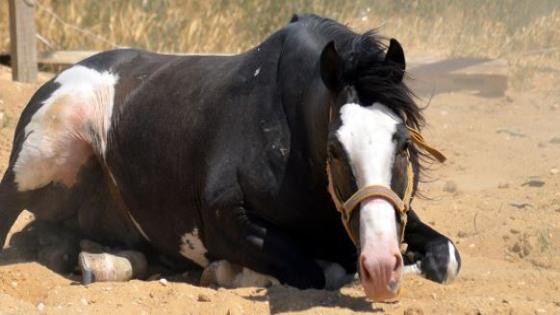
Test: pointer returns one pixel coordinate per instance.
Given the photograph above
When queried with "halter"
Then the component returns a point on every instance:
(401, 206)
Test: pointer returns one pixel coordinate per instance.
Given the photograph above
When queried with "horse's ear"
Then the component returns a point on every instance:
(331, 67)
(294, 18)
(395, 58)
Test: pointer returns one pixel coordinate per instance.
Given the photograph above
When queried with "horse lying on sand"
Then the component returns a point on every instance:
(248, 160)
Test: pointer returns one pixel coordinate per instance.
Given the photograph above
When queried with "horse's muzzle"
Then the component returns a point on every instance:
(380, 275)
(380, 261)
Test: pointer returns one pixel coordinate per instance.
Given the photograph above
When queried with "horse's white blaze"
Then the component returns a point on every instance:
(193, 249)
(367, 136)
(452, 265)
(60, 135)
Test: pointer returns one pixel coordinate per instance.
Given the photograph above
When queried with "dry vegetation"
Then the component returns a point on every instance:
(454, 27)
(526, 33)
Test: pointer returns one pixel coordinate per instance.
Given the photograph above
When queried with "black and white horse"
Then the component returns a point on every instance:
(210, 158)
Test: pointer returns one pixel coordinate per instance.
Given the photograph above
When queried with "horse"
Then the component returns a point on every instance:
(251, 159)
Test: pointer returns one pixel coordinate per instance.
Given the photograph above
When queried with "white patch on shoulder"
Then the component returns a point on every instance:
(60, 136)
(367, 136)
(138, 227)
(257, 72)
(193, 249)
(452, 265)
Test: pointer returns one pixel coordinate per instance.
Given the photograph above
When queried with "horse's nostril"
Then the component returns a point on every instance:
(365, 272)
(398, 262)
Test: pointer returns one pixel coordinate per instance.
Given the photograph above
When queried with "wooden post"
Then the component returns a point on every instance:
(22, 41)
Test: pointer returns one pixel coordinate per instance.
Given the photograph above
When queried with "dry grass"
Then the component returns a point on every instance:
(169, 25)
(526, 33)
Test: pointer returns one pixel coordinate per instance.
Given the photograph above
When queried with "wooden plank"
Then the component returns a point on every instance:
(22, 41)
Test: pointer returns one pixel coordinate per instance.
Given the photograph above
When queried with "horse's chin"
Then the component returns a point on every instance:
(380, 292)
(380, 296)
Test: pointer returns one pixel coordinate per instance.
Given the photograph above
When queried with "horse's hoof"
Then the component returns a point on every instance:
(220, 273)
(121, 266)
(250, 278)
(225, 274)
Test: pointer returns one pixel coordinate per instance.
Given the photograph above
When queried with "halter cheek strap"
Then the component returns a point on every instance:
(401, 206)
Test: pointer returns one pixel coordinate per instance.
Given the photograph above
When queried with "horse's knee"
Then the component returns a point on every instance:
(441, 262)
(10, 208)
(58, 247)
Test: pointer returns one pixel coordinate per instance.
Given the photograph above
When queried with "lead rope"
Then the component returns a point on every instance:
(419, 140)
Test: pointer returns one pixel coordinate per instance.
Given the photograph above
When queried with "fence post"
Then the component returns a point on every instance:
(22, 41)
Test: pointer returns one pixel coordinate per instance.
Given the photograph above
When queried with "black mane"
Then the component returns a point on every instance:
(365, 69)
(363, 56)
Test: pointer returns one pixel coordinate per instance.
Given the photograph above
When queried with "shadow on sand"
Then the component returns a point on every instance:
(57, 249)
(287, 299)
(481, 76)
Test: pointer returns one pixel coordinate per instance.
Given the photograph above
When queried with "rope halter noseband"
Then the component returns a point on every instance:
(401, 206)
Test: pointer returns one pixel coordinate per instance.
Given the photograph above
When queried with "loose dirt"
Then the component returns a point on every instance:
(497, 197)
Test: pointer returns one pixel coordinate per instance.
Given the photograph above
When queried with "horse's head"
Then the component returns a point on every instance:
(368, 160)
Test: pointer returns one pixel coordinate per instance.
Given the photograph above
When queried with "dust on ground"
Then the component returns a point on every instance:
(497, 197)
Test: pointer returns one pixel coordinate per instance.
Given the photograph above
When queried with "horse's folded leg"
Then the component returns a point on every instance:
(121, 266)
(92, 247)
(9, 211)
(335, 275)
(413, 269)
(59, 249)
(219, 273)
(435, 255)
(250, 278)
(7, 218)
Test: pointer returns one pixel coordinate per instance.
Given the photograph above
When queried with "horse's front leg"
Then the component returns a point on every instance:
(436, 256)
(244, 240)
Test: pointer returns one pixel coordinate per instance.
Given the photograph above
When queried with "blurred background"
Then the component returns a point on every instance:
(525, 33)
(487, 73)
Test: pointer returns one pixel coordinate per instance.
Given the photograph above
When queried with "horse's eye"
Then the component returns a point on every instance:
(334, 151)
(405, 145)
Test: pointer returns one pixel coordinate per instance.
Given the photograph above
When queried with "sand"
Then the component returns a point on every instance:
(497, 197)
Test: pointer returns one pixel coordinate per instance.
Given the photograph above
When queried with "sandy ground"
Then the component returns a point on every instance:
(497, 197)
